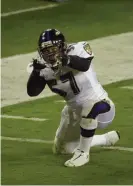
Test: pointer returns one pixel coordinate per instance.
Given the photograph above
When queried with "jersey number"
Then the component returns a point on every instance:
(64, 78)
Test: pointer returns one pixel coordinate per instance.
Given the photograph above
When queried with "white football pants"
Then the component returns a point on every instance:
(69, 128)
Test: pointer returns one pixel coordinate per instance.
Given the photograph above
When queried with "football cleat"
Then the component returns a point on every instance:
(112, 137)
(79, 158)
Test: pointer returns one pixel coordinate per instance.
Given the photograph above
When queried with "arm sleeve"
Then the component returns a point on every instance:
(35, 84)
(79, 63)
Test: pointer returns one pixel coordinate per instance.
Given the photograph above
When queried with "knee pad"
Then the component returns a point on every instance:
(88, 124)
(105, 119)
(99, 108)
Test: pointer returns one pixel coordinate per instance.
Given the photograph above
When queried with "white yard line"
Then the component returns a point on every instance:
(28, 10)
(119, 148)
(60, 101)
(51, 142)
(23, 118)
(26, 140)
(128, 87)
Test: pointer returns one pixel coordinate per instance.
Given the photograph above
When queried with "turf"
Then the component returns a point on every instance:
(14, 5)
(87, 20)
(28, 163)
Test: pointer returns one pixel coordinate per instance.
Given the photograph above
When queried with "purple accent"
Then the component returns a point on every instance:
(99, 108)
(87, 133)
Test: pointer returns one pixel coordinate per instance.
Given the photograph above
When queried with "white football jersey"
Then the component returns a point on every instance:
(75, 86)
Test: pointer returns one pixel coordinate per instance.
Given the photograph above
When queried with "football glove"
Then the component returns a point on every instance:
(37, 65)
(65, 60)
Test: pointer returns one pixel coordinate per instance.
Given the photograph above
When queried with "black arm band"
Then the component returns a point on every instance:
(35, 84)
(78, 63)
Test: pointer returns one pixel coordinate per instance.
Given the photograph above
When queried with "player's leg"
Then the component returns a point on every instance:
(61, 130)
(67, 131)
(67, 134)
(106, 139)
(105, 119)
(88, 126)
(109, 138)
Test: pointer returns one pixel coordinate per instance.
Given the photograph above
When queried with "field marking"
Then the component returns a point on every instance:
(119, 148)
(128, 87)
(26, 140)
(60, 101)
(22, 117)
(51, 142)
(28, 10)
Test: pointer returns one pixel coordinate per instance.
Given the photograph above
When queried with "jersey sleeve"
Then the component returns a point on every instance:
(35, 84)
(80, 49)
(85, 51)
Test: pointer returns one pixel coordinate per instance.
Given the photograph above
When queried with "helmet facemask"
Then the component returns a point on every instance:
(52, 54)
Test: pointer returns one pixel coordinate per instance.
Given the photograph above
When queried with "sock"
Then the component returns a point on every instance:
(98, 140)
(88, 127)
(85, 144)
(71, 146)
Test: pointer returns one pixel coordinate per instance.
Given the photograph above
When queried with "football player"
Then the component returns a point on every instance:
(68, 71)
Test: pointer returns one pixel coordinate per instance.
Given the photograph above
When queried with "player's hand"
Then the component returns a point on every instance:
(65, 60)
(37, 65)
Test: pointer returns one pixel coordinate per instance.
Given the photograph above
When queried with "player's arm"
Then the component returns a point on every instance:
(80, 62)
(35, 84)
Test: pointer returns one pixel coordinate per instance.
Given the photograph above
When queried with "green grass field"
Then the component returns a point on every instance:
(88, 20)
(29, 163)
(26, 163)
(13, 5)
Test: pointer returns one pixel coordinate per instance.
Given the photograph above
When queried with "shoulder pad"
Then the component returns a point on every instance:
(81, 49)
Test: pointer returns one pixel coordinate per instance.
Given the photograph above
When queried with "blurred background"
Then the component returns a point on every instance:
(78, 19)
